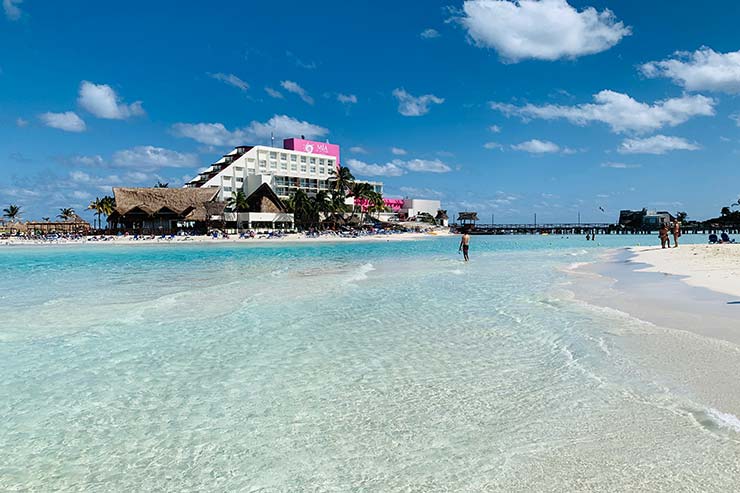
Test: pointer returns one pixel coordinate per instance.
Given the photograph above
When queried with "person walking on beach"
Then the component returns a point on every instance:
(465, 245)
(676, 230)
(663, 235)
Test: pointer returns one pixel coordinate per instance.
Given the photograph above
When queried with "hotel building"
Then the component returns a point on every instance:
(299, 164)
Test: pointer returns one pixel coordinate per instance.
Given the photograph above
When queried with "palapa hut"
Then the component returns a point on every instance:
(441, 219)
(467, 219)
(73, 225)
(266, 211)
(166, 210)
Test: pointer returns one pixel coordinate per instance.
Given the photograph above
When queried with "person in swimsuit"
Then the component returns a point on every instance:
(676, 230)
(663, 235)
(465, 245)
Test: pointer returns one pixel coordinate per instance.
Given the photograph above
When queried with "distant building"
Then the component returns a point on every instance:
(299, 165)
(73, 225)
(467, 218)
(412, 208)
(644, 219)
(166, 210)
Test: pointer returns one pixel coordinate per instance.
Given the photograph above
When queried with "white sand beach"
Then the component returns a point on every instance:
(207, 239)
(715, 267)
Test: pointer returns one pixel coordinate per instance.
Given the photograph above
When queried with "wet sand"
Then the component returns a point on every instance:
(689, 335)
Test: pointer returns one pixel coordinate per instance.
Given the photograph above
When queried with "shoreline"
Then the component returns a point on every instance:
(681, 329)
(292, 239)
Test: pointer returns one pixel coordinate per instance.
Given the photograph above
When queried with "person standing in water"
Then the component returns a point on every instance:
(465, 245)
(676, 230)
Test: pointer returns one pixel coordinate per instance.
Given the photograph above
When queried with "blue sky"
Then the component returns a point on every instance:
(547, 107)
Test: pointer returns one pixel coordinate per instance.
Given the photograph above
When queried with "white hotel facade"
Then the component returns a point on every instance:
(286, 170)
(299, 165)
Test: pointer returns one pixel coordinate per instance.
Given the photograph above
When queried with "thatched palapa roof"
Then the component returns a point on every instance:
(194, 204)
(467, 216)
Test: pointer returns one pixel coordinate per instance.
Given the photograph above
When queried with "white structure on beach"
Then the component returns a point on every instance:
(299, 165)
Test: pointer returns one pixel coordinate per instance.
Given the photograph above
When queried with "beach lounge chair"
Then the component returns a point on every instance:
(713, 239)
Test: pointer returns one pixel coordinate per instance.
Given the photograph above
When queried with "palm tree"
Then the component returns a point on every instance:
(238, 203)
(305, 210)
(376, 203)
(12, 212)
(161, 185)
(46, 219)
(342, 180)
(66, 213)
(97, 206)
(725, 211)
(360, 191)
(107, 205)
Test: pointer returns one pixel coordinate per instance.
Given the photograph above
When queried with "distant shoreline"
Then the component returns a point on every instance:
(233, 240)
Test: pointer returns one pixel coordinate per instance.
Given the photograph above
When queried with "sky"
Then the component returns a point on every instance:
(547, 107)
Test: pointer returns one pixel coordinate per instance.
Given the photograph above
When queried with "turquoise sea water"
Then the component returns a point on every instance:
(343, 367)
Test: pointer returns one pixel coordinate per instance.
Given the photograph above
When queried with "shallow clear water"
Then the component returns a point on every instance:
(354, 366)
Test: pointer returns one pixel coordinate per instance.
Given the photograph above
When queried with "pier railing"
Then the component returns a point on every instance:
(582, 228)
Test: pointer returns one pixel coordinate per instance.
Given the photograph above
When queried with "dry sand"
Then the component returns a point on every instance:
(714, 267)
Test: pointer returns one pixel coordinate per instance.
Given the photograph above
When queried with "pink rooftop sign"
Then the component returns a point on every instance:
(312, 147)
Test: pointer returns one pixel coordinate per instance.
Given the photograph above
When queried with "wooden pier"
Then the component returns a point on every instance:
(582, 229)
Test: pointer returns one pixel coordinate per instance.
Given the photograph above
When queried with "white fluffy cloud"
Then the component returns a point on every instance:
(536, 146)
(397, 151)
(540, 29)
(347, 98)
(21, 122)
(427, 166)
(429, 33)
(368, 169)
(150, 157)
(492, 145)
(657, 144)
(494, 129)
(621, 112)
(398, 167)
(293, 87)
(231, 80)
(358, 150)
(702, 70)
(217, 134)
(11, 9)
(409, 105)
(67, 121)
(102, 101)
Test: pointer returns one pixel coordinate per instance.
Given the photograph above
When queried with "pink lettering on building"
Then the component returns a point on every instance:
(394, 205)
(312, 147)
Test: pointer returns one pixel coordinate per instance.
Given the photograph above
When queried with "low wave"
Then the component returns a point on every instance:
(724, 420)
(360, 274)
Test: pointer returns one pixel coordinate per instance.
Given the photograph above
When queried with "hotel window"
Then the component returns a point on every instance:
(321, 162)
(313, 160)
(227, 189)
(239, 179)
(303, 159)
(273, 165)
(263, 164)
(293, 157)
(293, 167)
(283, 157)
(284, 166)
(322, 170)
(313, 169)
(330, 162)
(239, 169)
(303, 168)
(273, 155)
